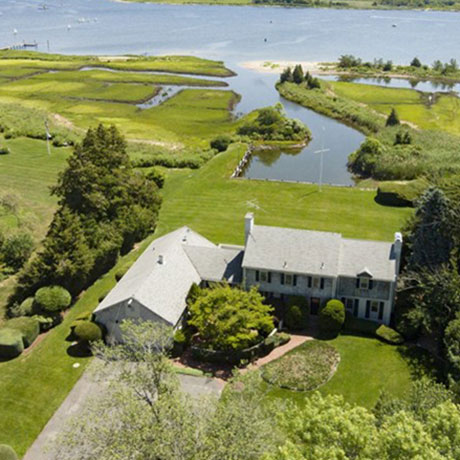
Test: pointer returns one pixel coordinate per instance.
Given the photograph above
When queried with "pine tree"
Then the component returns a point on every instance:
(432, 240)
(393, 118)
(416, 62)
(298, 75)
(286, 75)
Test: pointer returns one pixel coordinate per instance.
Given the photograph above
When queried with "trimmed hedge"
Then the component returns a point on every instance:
(296, 318)
(389, 335)
(29, 328)
(53, 299)
(7, 453)
(11, 343)
(87, 331)
(332, 317)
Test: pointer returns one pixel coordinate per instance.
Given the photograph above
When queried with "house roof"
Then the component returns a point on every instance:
(317, 253)
(217, 263)
(161, 287)
(375, 258)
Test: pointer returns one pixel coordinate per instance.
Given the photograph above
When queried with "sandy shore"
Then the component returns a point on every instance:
(318, 68)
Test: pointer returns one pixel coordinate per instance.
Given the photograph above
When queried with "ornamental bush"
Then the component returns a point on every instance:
(389, 335)
(332, 317)
(221, 143)
(53, 299)
(156, 176)
(11, 343)
(27, 326)
(7, 453)
(26, 308)
(87, 331)
(230, 319)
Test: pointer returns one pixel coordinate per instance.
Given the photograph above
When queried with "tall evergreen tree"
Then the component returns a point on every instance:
(393, 118)
(286, 75)
(298, 75)
(431, 239)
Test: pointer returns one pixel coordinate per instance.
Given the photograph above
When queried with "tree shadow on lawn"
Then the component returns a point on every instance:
(421, 362)
(79, 350)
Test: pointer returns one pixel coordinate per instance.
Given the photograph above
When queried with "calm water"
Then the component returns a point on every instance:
(235, 35)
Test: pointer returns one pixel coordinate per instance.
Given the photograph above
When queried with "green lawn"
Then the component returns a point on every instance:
(367, 366)
(33, 386)
(211, 203)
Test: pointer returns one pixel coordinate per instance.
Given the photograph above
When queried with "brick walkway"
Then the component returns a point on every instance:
(295, 341)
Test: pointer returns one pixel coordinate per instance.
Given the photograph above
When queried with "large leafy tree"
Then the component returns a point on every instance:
(230, 319)
(328, 428)
(143, 414)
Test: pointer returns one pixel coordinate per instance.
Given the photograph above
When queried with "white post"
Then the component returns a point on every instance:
(321, 151)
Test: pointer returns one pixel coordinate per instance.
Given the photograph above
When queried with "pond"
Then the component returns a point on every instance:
(238, 34)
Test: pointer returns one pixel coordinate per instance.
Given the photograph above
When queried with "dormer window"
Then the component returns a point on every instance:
(364, 283)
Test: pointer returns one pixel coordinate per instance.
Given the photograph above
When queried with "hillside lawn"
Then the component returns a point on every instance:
(34, 385)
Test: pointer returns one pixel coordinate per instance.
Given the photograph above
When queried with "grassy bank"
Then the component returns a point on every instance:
(433, 124)
(33, 386)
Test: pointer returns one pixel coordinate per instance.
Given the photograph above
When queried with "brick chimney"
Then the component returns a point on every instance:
(248, 226)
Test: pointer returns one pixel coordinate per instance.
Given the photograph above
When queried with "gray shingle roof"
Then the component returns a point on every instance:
(292, 250)
(317, 253)
(375, 257)
(217, 263)
(162, 288)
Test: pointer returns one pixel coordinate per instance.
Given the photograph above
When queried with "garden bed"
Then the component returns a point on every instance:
(304, 369)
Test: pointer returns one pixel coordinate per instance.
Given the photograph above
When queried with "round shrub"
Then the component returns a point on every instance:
(295, 318)
(26, 308)
(86, 331)
(11, 343)
(221, 143)
(332, 317)
(27, 326)
(53, 298)
(7, 453)
(4, 150)
(157, 176)
(389, 335)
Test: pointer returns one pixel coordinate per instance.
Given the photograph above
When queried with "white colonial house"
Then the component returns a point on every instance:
(281, 261)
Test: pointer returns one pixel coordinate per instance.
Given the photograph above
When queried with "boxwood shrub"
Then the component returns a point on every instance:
(87, 331)
(26, 308)
(53, 299)
(389, 335)
(11, 343)
(27, 326)
(331, 318)
(7, 453)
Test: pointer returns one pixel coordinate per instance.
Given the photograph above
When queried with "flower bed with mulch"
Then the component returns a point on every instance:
(305, 368)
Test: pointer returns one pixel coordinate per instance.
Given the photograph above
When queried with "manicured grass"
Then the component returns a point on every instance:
(367, 366)
(211, 203)
(411, 105)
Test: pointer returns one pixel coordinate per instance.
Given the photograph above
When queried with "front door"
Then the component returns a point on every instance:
(314, 305)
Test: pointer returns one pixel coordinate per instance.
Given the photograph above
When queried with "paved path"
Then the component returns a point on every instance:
(295, 341)
(87, 386)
